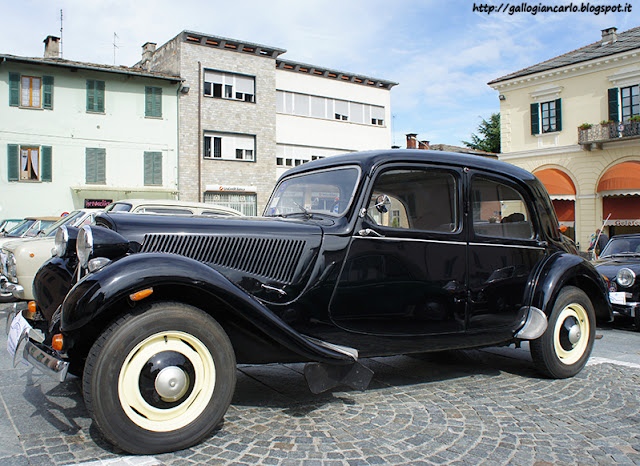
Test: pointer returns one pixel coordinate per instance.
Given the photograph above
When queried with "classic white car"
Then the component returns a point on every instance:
(21, 258)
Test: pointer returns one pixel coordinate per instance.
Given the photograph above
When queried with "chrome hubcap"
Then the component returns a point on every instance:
(574, 334)
(171, 383)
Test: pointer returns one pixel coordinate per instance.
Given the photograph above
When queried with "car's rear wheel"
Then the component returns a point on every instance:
(160, 380)
(564, 348)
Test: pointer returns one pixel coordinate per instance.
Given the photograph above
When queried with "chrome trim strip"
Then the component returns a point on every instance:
(351, 352)
(390, 238)
(508, 246)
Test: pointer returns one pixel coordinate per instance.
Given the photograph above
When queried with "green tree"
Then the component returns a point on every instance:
(489, 141)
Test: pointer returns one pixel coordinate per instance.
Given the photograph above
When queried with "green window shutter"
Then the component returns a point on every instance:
(96, 165)
(45, 163)
(14, 89)
(90, 95)
(148, 101)
(613, 104)
(158, 102)
(153, 168)
(153, 101)
(535, 119)
(13, 164)
(99, 96)
(47, 92)
(558, 115)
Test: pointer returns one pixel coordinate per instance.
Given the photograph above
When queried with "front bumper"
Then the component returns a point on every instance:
(629, 309)
(6, 287)
(24, 344)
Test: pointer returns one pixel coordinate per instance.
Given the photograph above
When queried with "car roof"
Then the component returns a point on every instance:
(174, 203)
(47, 219)
(369, 159)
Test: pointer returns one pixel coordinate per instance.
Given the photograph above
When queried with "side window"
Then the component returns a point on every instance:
(499, 210)
(415, 199)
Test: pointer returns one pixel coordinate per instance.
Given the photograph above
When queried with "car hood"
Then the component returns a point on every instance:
(17, 242)
(609, 266)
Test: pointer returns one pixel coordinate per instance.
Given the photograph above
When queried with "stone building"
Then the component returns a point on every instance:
(574, 121)
(246, 115)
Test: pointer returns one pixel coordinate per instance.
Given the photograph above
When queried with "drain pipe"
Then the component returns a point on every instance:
(200, 132)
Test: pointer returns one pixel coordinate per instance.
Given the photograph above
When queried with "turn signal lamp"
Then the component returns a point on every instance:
(30, 312)
(57, 342)
(141, 294)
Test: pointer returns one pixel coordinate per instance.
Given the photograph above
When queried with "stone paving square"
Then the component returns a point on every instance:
(465, 408)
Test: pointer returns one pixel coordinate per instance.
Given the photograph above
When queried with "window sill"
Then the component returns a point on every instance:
(228, 160)
(149, 117)
(31, 108)
(550, 133)
(226, 99)
(96, 113)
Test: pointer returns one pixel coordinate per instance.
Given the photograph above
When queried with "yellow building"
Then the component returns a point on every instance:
(574, 121)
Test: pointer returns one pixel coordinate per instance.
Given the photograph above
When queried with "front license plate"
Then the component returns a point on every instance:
(617, 297)
(18, 326)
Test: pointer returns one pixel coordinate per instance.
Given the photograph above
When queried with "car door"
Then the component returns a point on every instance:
(504, 251)
(404, 273)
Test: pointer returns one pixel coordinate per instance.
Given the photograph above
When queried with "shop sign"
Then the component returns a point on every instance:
(623, 223)
(231, 188)
(97, 203)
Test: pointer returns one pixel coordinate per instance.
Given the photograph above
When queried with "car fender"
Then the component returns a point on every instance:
(97, 293)
(562, 269)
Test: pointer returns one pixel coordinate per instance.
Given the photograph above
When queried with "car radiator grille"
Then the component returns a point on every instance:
(272, 258)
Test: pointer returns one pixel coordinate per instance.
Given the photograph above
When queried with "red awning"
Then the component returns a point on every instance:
(557, 182)
(623, 176)
(565, 210)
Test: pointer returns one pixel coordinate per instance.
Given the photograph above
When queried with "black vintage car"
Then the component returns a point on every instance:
(619, 263)
(368, 254)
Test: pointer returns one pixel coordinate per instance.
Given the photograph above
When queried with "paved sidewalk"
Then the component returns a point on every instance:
(475, 407)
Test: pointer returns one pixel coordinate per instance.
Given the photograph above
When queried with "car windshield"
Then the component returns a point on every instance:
(622, 247)
(51, 230)
(21, 228)
(118, 207)
(327, 192)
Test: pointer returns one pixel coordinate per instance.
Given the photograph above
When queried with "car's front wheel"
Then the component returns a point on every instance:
(564, 348)
(160, 380)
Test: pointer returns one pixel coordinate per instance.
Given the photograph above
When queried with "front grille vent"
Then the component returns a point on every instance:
(272, 258)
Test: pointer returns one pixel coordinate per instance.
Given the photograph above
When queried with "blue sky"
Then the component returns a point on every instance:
(441, 52)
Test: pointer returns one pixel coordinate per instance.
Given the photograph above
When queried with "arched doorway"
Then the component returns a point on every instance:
(620, 191)
(563, 196)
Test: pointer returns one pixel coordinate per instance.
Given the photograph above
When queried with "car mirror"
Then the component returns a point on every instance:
(382, 203)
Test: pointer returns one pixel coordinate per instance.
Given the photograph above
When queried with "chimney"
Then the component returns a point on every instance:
(148, 49)
(411, 140)
(52, 47)
(609, 36)
(423, 145)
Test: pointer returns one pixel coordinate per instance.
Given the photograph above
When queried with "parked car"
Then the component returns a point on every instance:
(29, 227)
(619, 263)
(366, 254)
(20, 259)
(170, 207)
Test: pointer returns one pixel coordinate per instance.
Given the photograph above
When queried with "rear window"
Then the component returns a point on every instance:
(118, 207)
(164, 210)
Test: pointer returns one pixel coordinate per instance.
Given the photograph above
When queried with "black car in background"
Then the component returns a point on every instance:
(366, 254)
(620, 264)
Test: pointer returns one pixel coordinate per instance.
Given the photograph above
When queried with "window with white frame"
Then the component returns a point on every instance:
(293, 103)
(227, 146)
(630, 102)
(29, 162)
(30, 91)
(229, 86)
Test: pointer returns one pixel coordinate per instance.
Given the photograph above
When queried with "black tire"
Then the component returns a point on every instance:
(144, 409)
(565, 347)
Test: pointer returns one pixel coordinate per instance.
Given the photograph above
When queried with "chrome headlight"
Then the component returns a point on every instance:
(625, 277)
(61, 242)
(12, 270)
(84, 245)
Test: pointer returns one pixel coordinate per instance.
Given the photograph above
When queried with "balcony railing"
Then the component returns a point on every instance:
(602, 133)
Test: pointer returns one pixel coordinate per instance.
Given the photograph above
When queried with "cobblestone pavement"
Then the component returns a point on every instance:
(474, 407)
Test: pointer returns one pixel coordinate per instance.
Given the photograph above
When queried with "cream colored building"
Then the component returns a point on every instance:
(572, 122)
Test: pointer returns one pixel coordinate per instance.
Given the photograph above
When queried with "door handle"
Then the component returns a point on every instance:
(369, 232)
